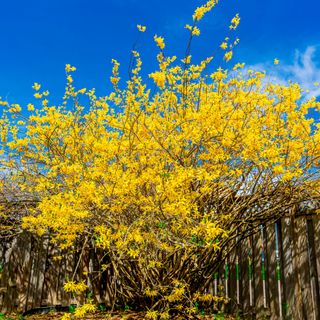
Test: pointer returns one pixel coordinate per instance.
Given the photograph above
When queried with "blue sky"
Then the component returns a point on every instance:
(38, 37)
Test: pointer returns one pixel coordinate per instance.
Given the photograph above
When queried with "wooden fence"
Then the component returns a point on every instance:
(273, 274)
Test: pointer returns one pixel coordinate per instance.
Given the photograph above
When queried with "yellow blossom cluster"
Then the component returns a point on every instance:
(159, 41)
(72, 286)
(235, 22)
(201, 11)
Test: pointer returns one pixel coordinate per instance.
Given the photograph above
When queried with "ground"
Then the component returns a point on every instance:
(101, 316)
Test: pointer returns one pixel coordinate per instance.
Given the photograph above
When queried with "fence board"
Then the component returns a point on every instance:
(316, 223)
(302, 268)
(313, 268)
(9, 298)
(16, 271)
(258, 279)
(52, 285)
(271, 270)
(242, 274)
(288, 272)
(232, 281)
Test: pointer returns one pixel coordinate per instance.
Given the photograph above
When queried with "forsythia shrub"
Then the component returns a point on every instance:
(162, 178)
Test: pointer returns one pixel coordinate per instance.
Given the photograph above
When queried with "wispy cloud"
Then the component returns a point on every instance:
(304, 70)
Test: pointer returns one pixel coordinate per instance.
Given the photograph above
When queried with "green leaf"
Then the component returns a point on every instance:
(72, 308)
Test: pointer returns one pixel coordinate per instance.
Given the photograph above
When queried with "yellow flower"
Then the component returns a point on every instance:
(278, 169)
(235, 22)
(224, 45)
(66, 316)
(228, 56)
(133, 253)
(159, 78)
(114, 80)
(70, 68)
(79, 312)
(275, 61)
(15, 108)
(141, 28)
(72, 286)
(86, 308)
(187, 59)
(196, 31)
(201, 11)
(37, 95)
(152, 315)
(238, 66)
(150, 293)
(164, 315)
(36, 86)
(159, 41)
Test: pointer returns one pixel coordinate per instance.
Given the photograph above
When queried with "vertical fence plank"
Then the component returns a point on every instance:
(10, 299)
(259, 275)
(244, 283)
(52, 285)
(304, 298)
(232, 282)
(242, 267)
(288, 272)
(271, 272)
(264, 273)
(247, 277)
(251, 276)
(66, 274)
(280, 270)
(238, 276)
(313, 268)
(39, 272)
(106, 278)
(3, 248)
(23, 260)
(16, 273)
(299, 312)
(316, 225)
(60, 264)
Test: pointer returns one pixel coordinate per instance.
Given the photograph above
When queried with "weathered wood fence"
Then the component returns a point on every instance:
(273, 274)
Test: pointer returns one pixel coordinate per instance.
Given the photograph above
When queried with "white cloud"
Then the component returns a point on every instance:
(303, 70)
